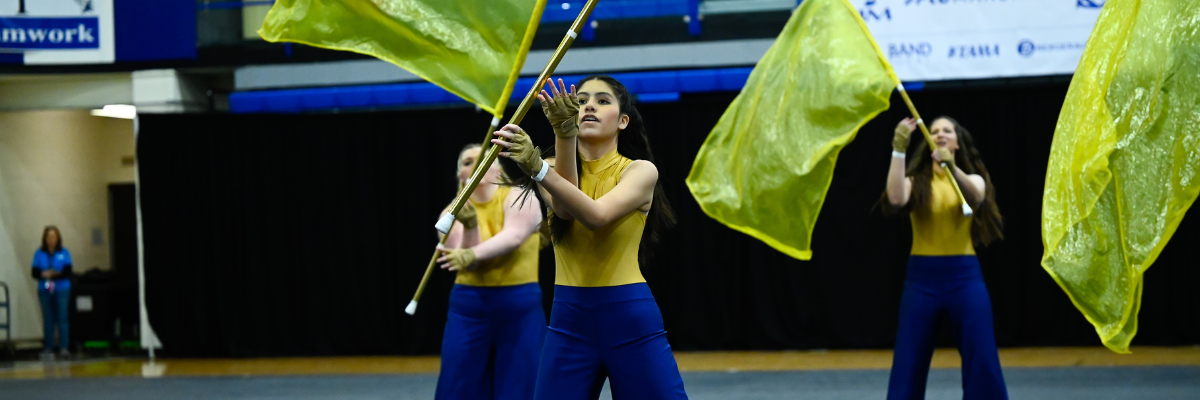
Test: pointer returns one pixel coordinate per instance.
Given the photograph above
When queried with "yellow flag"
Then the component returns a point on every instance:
(766, 166)
(472, 48)
(1125, 163)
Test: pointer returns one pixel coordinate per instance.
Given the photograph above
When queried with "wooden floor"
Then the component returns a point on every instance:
(688, 362)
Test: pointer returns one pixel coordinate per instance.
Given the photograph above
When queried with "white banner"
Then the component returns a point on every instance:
(929, 40)
(58, 31)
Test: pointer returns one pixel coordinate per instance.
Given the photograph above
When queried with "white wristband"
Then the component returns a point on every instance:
(542, 174)
(899, 154)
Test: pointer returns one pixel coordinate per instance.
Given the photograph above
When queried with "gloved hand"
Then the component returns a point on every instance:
(519, 148)
(943, 155)
(903, 134)
(467, 216)
(457, 259)
(561, 109)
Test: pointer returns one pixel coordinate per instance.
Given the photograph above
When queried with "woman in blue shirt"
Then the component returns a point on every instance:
(52, 269)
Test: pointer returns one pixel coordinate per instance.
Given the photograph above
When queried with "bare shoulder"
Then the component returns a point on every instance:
(641, 169)
(977, 179)
(644, 174)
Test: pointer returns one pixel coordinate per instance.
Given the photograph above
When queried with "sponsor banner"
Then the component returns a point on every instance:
(928, 40)
(58, 31)
(49, 33)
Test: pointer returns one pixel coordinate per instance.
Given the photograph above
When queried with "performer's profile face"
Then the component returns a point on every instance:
(599, 110)
(944, 135)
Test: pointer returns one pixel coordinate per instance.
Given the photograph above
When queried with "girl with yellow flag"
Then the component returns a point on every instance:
(943, 273)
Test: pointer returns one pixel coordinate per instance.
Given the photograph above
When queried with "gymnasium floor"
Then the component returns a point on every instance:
(1041, 373)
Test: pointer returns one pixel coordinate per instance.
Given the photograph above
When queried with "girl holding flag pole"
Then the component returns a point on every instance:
(608, 207)
(496, 324)
(943, 273)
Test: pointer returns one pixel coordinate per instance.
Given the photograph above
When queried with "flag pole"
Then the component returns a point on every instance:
(447, 221)
(412, 305)
(966, 209)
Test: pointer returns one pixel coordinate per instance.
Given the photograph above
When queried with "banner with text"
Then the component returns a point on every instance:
(57, 31)
(929, 40)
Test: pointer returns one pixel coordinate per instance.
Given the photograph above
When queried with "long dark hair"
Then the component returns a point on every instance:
(57, 246)
(987, 223)
(632, 143)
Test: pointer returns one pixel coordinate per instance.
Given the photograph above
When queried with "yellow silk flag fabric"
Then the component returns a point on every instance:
(766, 166)
(1125, 163)
(474, 49)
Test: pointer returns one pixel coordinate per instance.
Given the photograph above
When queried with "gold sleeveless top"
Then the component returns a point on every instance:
(607, 256)
(515, 268)
(940, 228)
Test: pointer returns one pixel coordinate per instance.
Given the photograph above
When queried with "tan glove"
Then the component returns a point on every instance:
(457, 259)
(467, 216)
(943, 155)
(522, 151)
(568, 129)
(561, 111)
(901, 138)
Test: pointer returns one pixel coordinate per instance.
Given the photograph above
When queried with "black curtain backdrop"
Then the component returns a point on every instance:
(291, 235)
